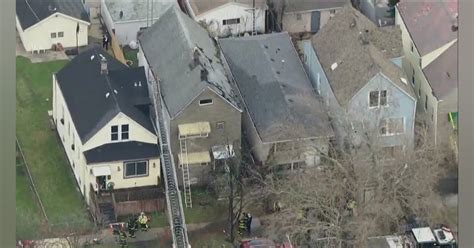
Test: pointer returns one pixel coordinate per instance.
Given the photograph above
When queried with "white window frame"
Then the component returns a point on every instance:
(125, 163)
(53, 35)
(387, 125)
(122, 132)
(378, 99)
(225, 22)
(60, 34)
(205, 104)
(117, 133)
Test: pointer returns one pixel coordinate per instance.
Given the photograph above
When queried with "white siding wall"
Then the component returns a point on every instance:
(136, 132)
(39, 37)
(117, 170)
(231, 11)
(106, 16)
(68, 135)
(127, 31)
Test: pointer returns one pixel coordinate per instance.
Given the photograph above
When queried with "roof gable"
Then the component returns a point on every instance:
(93, 99)
(349, 48)
(31, 12)
(185, 59)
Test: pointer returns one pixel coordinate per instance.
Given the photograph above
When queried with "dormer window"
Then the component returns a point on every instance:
(125, 132)
(114, 133)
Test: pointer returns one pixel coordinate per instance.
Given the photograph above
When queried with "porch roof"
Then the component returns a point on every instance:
(195, 158)
(194, 128)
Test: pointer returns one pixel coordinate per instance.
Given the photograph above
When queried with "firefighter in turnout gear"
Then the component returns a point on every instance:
(132, 226)
(143, 220)
(243, 224)
(123, 239)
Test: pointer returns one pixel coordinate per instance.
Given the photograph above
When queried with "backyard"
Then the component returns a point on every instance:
(50, 171)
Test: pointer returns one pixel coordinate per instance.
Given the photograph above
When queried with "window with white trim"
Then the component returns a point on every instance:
(231, 21)
(135, 169)
(392, 126)
(114, 133)
(205, 102)
(124, 131)
(53, 35)
(60, 34)
(377, 98)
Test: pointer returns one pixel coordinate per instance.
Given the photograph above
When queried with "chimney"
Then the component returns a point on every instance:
(103, 66)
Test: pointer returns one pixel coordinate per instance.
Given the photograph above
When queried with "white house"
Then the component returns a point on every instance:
(42, 24)
(125, 18)
(229, 17)
(100, 110)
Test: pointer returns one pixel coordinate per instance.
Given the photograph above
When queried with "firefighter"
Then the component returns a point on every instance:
(132, 226)
(123, 239)
(143, 220)
(248, 223)
(242, 227)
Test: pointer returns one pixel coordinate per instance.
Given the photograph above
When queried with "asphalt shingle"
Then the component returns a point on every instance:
(122, 151)
(275, 88)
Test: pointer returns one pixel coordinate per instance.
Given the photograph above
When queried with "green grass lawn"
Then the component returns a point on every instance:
(28, 212)
(43, 152)
(205, 208)
(131, 54)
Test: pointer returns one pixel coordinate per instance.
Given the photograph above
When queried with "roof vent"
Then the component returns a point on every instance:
(92, 57)
(107, 95)
(454, 28)
(353, 23)
(135, 84)
(333, 66)
(140, 83)
(103, 66)
(115, 91)
(121, 14)
(404, 80)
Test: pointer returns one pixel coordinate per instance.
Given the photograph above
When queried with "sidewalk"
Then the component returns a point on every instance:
(106, 237)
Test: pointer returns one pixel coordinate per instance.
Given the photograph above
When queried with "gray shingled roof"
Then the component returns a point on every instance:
(122, 151)
(310, 5)
(275, 88)
(169, 46)
(134, 10)
(442, 73)
(202, 6)
(429, 22)
(340, 41)
(90, 97)
(30, 12)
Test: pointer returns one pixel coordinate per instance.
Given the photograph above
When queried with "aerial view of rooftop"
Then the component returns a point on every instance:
(237, 123)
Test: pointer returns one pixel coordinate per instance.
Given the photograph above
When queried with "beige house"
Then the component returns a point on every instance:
(42, 24)
(201, 115)
(100, 111)
(229, 17)
(429, 34)
(285, 124)
(303, 16)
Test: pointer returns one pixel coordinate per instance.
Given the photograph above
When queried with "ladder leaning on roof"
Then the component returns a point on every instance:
(185, 169)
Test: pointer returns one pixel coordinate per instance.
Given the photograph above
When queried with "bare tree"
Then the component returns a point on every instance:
(359, 190)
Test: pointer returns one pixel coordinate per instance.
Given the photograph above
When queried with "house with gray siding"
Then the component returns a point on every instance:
(201, 113)
(125, 18)
(350, 65)
(303, 16)
(285, 122)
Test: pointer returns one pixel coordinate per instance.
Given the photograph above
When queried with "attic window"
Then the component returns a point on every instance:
(205, 102)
